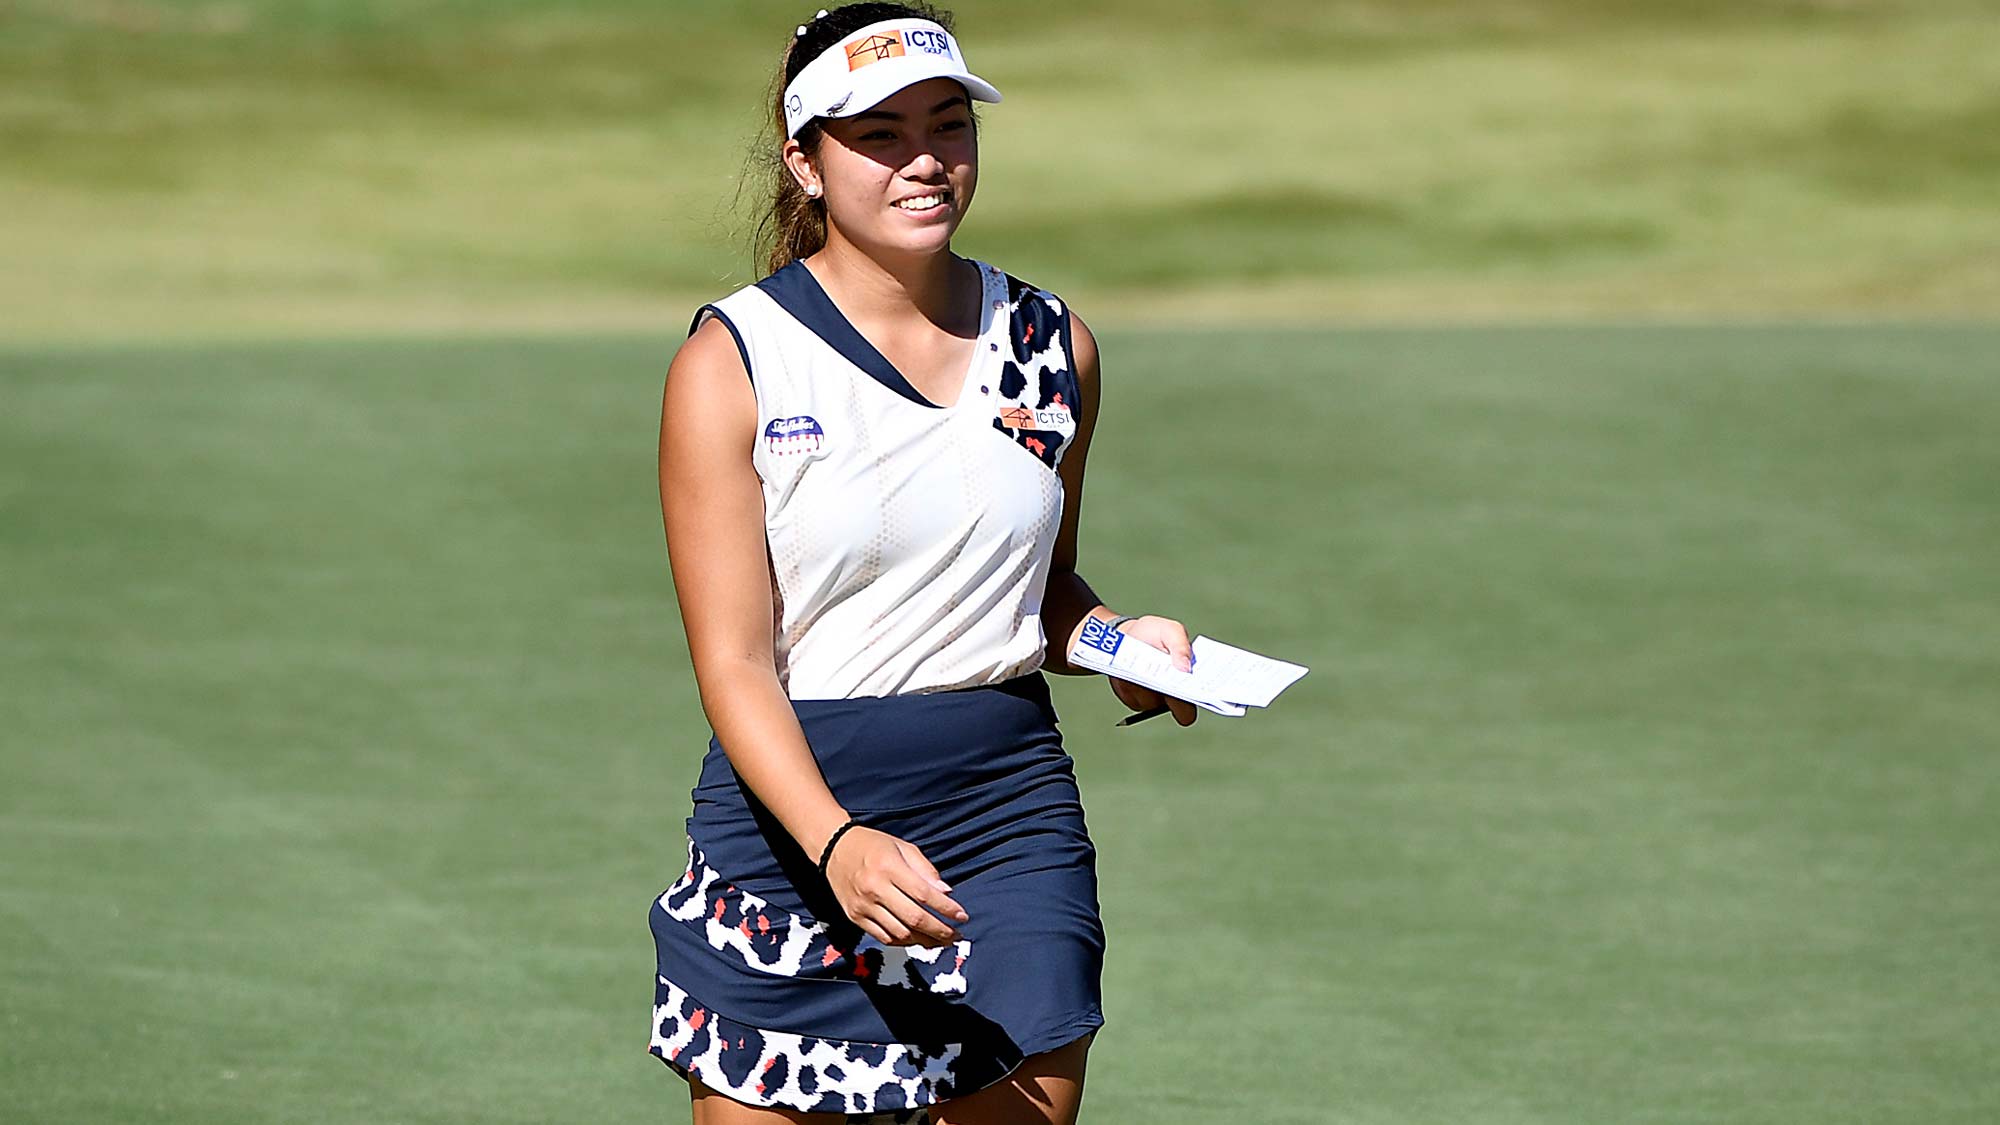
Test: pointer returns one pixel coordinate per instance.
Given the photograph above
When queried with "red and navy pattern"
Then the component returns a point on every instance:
(735, 922)
(1039, 397)
(866, 1081)
(811, 1073)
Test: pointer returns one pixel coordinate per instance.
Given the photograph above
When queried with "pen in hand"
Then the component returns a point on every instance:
(1141, 716)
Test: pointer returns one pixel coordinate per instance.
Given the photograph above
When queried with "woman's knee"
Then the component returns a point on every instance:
(1045, 1088)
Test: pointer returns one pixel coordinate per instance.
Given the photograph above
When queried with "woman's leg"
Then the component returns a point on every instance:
(711, 1108)
(1045, 1088)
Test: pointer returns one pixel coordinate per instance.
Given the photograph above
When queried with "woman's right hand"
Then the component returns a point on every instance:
(884, 885)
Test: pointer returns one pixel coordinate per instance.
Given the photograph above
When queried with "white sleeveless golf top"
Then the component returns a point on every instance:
(909, 542)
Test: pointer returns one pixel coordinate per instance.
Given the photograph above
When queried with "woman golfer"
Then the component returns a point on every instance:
(871, 464)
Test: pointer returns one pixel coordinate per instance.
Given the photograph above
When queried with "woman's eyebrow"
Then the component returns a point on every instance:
(886, 115)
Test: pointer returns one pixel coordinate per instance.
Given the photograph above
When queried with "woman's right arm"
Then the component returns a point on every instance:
(714, 510)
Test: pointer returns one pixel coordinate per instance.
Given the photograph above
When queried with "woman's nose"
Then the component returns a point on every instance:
(925, 164)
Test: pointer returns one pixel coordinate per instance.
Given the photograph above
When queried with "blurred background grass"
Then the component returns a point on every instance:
(1646, 769)
(253, 166)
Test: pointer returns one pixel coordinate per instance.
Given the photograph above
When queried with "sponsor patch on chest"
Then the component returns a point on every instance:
(1053, 416)
(798, 434)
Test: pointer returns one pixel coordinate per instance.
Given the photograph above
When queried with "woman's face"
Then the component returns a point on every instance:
(898, 177)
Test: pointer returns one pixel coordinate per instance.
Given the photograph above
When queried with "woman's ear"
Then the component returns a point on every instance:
(801, 167)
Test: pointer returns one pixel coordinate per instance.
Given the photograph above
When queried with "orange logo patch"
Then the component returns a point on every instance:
(874, 49)
(1017, 418)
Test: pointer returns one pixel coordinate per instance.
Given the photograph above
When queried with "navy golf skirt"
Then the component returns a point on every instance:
(769, 995)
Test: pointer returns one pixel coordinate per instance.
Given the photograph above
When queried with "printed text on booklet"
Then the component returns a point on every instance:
(1226, 680)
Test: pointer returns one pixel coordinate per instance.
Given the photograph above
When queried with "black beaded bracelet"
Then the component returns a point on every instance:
(826, 853)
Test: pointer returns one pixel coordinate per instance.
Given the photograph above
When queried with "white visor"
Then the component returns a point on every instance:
(856, 73)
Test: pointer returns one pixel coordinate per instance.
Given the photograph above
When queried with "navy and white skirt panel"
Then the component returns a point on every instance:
(768, 995)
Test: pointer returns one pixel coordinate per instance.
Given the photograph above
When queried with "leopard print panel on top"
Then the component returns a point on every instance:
(1039, 396)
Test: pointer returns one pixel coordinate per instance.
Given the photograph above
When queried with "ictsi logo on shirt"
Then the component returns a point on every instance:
(1051, 417)
(799, 434)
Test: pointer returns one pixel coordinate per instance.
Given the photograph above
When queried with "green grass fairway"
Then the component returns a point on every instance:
(270, 167)
(1646, 772)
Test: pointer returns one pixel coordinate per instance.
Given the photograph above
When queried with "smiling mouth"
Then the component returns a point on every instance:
(924, 204)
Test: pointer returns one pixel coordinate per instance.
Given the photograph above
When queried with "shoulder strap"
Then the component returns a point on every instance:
(706, 311)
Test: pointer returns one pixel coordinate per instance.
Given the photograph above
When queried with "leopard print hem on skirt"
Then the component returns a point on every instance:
(764, 1002)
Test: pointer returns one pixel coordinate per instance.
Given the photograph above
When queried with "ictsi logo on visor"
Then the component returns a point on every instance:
(875, 48)
(921, 39)
(838, 82)
(894, 44)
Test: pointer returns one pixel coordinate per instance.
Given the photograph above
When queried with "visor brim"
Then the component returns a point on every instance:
(872, 89)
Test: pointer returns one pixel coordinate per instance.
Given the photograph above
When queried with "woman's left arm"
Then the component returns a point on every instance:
(1069, 600)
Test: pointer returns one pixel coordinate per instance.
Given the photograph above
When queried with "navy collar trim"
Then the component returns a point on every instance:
(799, 293)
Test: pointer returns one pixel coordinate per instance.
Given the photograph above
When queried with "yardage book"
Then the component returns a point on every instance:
(1226, 680)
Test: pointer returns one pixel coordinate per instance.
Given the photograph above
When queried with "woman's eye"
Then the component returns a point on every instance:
(949, 125)
(878, 135)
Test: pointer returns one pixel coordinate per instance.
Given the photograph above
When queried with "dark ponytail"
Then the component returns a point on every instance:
(793, 226)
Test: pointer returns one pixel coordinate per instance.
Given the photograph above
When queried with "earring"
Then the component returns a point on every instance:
(812, 190)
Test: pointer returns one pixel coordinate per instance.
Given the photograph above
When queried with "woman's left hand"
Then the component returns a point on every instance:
(1170, 637)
